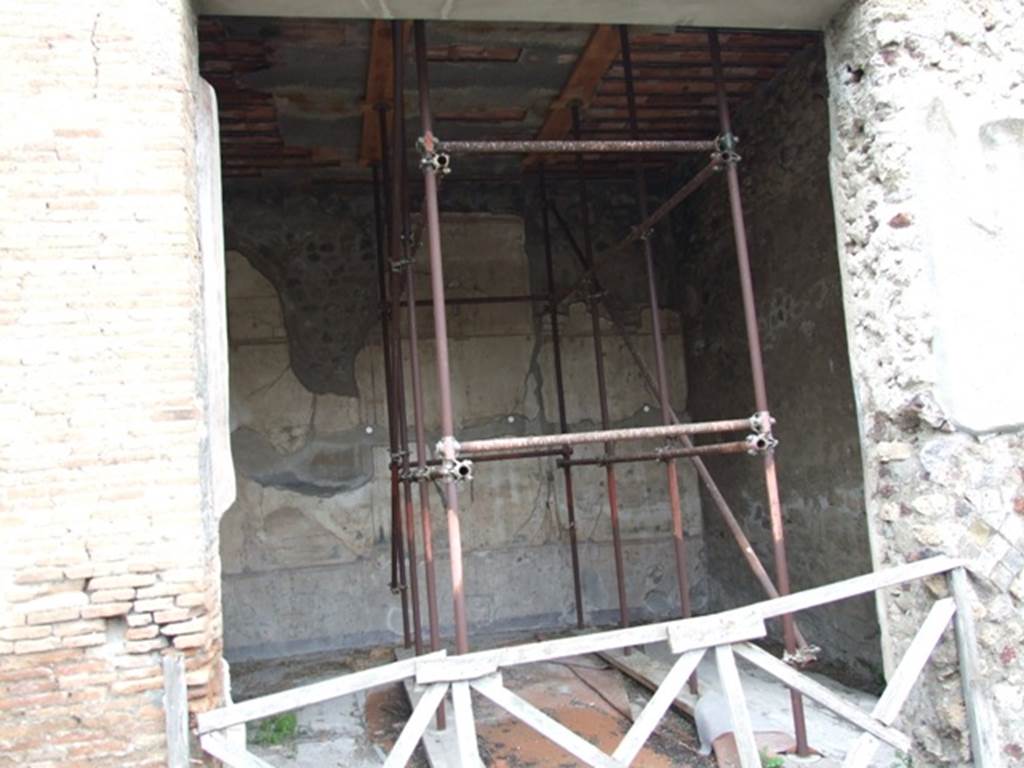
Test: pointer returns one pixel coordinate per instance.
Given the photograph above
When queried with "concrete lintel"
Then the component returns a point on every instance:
(767, 14)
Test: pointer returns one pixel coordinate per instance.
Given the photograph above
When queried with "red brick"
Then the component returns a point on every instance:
(112, 595)
(105, 610)
(142, 633)
(25, 633)
(121, 582)
(84, 641)
(79, 627)
(54, 616)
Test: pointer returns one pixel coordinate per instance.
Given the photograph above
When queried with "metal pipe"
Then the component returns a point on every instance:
(398, 248)
(739, 446)
(433, 620)
(570, 146)
(756, 566)
(675, 502)
(626, 434)
(444, 386)
(509, 455)
(524, 299)
(602, 387)
(563, 422)
(640, 230)
(416, 377)
(397, 546)
(757, 371)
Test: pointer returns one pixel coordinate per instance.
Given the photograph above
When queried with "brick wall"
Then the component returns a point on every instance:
(107, 530)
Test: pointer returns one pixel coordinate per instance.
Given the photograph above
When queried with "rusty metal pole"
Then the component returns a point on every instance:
(419, 428)
(397, 545)
(758, 569)
(602, 387)
(563, 423)
(727, 140)
(675, 503)
(444, 385)
(398, 249)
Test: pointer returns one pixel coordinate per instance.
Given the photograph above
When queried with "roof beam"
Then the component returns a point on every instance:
(597, 56)
(380, 87)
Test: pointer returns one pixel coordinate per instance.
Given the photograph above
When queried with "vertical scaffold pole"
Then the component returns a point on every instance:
(381, 195)
(444, 384)
(675, 503)
(602, 386)
(563, 423)
(757, 369)
(398, 249)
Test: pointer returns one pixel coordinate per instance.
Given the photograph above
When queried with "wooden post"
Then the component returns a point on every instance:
(742, 729)
(176, 711)
(979, 716)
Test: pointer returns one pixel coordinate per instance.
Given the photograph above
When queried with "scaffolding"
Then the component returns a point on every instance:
(452, 461)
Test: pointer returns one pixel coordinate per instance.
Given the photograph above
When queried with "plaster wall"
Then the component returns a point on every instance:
(306, 548)
(927, 106)
(784, 143)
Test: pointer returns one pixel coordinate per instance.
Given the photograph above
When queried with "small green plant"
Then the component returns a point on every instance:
(903, 761)
(275, 730)
(771, 761)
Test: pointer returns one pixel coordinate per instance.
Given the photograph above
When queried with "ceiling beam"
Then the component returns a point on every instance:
(379, 89)
(597, 56)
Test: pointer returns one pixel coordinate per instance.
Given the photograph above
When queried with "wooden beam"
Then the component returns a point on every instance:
(380, 87)
(546, 726)
(465, 727)
(415, 726)
(979, 717)
(659, 703)
(314, 693)
(812, 689)
(598, 55)
(742, 729)
(176, 711)
(218, 745)
(903, 679)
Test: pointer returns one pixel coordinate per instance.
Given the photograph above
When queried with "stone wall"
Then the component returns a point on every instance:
(927, 164)
(107, 477)
(784, 142)
(305, 548)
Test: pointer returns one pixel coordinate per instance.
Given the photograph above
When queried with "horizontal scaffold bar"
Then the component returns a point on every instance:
(740, 446)
(571, 146)
(470, 300)
(608, 436)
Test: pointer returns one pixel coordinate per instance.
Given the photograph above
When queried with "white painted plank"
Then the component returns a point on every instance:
(717, 629)
(812, 689)
(303, 696)
(903, 679)
(415, 726)
(217, 745)
(452, 668)
(465, 727)
(440, 746)
(742, 730)
(703, 627)
(662, 699)
(546, 726)
(979, 716)
(858, 585)
(176, 711)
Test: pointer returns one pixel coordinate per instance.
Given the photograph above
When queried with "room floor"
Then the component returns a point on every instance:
(584, 693)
